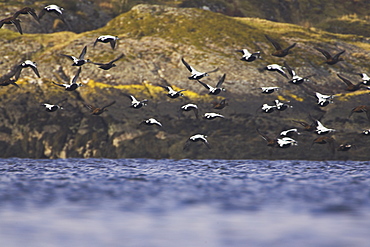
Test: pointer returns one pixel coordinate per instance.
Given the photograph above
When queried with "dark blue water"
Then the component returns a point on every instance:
(167, 203)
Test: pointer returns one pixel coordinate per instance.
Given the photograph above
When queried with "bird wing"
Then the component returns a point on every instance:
(83, 52)
(74, 80)
(191, 69)
(17, 24)
(90, 107)
(36, 71)
(113, 43)
(108, 105)
(219, 83)
(336, 56)
(33, 14)
(289, 69)
(96, 41)
(325, 53)
(216, 69)
(118, 58)
(274, 43)
(68, 56)
(345, 80)
(265, 137)
(42, 13)
(60, 85)
(290, 47)
(205, 85)
(100, 63)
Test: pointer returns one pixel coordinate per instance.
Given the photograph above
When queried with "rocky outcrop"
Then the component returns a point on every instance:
(154, 39)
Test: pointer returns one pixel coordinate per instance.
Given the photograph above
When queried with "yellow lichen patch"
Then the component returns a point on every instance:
(293, 96)
(146, 89)
(346, 96)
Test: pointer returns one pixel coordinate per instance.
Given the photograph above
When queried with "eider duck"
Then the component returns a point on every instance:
(196, 75)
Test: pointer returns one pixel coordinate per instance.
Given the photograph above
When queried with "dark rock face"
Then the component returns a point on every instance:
(154, 39)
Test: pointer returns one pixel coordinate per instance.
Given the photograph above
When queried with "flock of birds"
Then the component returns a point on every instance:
(283, 140)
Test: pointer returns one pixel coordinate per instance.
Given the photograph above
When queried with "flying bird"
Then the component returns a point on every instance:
(281, 106)
(286, 142)
(277, 68)
(97, 110)
(324, 100)
(80, 60)
(196, 75)
(197, 138)
(53, 107)
(190, 107)
(109, 65)
(151, 121)
(289, 132)
(249, 57)
(107, 39)
(321, 129)
(73, 85)
(365, 78)
(350, 86)
(27, 64)
(360, 109)
(269, 90)
(136, 104)
(270, 142)
(279, 51)
(25, 11)
(215, 90)
(12, 20)
(268, 108)
(331, 60)
(220, 105)
(212, 115)
(56, 10)
(172, 93)
(295, 79)
(325, 140)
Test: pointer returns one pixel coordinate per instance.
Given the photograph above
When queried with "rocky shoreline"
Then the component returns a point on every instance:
(153, 44)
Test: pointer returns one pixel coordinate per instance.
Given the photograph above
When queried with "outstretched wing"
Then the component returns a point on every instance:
(60, 85)
(204, 85)
(36, 71)
(118, 58)
(42, 13)
(17, 24)
(336, 56)
(345, 80)
(222, 79)
(83, 52)
(325, 53)
(289, 69)
(108, 105)
(273, 42)
(191, 69)
(74, 80)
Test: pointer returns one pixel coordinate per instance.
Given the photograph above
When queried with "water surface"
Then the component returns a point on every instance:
(166, 203)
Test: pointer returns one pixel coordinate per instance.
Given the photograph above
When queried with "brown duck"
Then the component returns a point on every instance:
(25, 11)
(279, 52)
(359, 109)
(98, 111)
(220, 105)
(331, 60)
(270, 141)
(325, 140)
(350, 86)
(12, 20)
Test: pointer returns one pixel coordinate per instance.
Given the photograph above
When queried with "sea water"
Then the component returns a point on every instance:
(167, 203)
